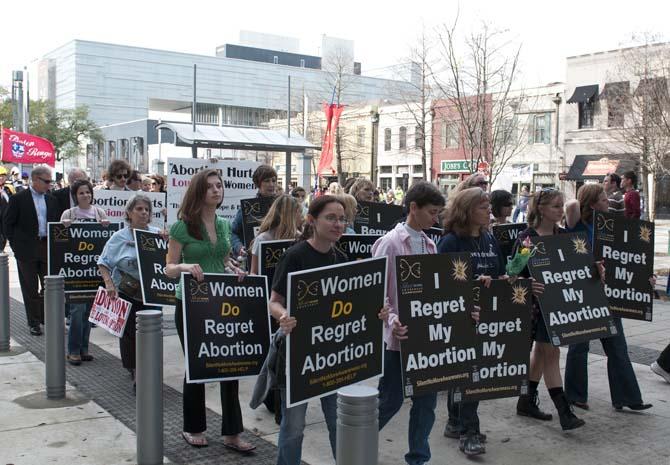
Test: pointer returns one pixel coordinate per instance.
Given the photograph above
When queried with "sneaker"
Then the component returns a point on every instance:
(656, 368)
(35, 330)
(74, 360)
(470, 445)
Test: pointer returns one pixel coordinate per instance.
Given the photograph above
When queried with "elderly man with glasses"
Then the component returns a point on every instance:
(26, 220)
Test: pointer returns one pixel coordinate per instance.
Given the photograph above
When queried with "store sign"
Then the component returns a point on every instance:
(455, 166)
(600, 167)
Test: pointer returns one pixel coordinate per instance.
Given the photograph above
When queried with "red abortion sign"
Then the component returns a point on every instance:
(19, 147)
(109, 314)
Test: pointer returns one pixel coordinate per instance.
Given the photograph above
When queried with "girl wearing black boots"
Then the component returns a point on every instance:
(544, 213)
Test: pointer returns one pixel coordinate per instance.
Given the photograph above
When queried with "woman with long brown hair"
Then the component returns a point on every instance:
(200, 243)
(624, 388)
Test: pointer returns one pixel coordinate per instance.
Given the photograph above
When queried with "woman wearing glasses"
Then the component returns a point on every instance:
(118, 173)
(544, 213)
(325, 225)
(200, 243)
(624, 389)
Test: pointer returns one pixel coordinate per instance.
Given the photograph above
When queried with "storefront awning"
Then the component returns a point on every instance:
(584, 94)
(237, 138)
(592, 167)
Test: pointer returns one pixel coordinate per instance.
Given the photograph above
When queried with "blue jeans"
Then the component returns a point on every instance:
(463, 415)
(421, 414)
(293, 425)
(80, 329)
(624, 389)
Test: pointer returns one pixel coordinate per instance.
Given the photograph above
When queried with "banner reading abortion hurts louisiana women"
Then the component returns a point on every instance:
(338, 339)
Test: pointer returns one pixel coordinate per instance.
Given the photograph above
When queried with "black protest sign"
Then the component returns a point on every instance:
(376, 217)
(573, 304)
(503, 333)
(157, 288)
(253, 213)
(226, 326)
(626, 246)
(435, 233)
(73, 253)
(435, 302)
(271, 252)
(338, 339)
(357, 246)
(505, 235)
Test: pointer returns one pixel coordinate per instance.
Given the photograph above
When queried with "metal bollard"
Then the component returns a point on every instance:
(4, 302)
(149, 378)
(357, 426)
(54, 317)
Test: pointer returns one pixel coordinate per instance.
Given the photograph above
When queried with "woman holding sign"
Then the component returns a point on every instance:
(283, 222)
(325, 226)
(544, 213)
(80, 328)
(119, 269)
(200, 243)
(624, 388)
(466, 230)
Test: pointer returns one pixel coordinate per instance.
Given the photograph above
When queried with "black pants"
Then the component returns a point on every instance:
(195, 411)
(664, 359)
(463, 415)
(31, 279)
(127, 344)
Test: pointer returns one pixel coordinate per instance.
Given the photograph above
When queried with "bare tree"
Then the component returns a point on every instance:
(643, 113)
(477, 80)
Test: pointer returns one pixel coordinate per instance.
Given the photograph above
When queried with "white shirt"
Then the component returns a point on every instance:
(41, 210)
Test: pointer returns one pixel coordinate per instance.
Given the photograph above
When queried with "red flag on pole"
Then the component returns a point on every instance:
(19, 147)
(332, 112)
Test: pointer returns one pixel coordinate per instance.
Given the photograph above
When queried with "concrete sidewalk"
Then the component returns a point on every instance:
(89, 434)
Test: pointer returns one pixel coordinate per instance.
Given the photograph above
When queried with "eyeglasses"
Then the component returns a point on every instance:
(46, 181)
(121, 176)
(334, 219)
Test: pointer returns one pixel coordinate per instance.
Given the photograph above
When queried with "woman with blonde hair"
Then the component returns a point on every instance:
(334, 189)
(544, 212)
(283, 221)
(466, 230)
(363, 190)
(624, 388)
(350, 205)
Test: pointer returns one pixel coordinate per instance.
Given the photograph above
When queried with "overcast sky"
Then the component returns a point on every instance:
(382, 31)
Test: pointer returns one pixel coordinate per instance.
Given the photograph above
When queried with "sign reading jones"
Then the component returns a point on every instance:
(503, 333)
(114, 204)
(435, 303)
(226, 326)
(338, 338)
(505, 235)
(74, 251)
(357, 246)
(236, 176)
(627, 247)
(253, 213)
(376, 217)
(573, 303)
(157, 288)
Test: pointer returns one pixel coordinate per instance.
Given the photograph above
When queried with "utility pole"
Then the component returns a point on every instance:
(287, 169)
(194, 149)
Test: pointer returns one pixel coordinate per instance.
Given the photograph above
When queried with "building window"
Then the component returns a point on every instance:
(402, 134)
(418, 138)
(385, 169)
(452, 136)
(387, 139)
(618, 102)
(443, 134)
(586, 110)
(302, 62)
(360, 136)
(542, 129)
(275, 60)
(417, 169)
(385, 183)
(509, 131)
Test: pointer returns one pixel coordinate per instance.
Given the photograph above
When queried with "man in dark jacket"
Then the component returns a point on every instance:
(25, 222)
(64, 195)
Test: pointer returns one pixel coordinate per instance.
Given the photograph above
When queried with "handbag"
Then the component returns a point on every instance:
(130, 286)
